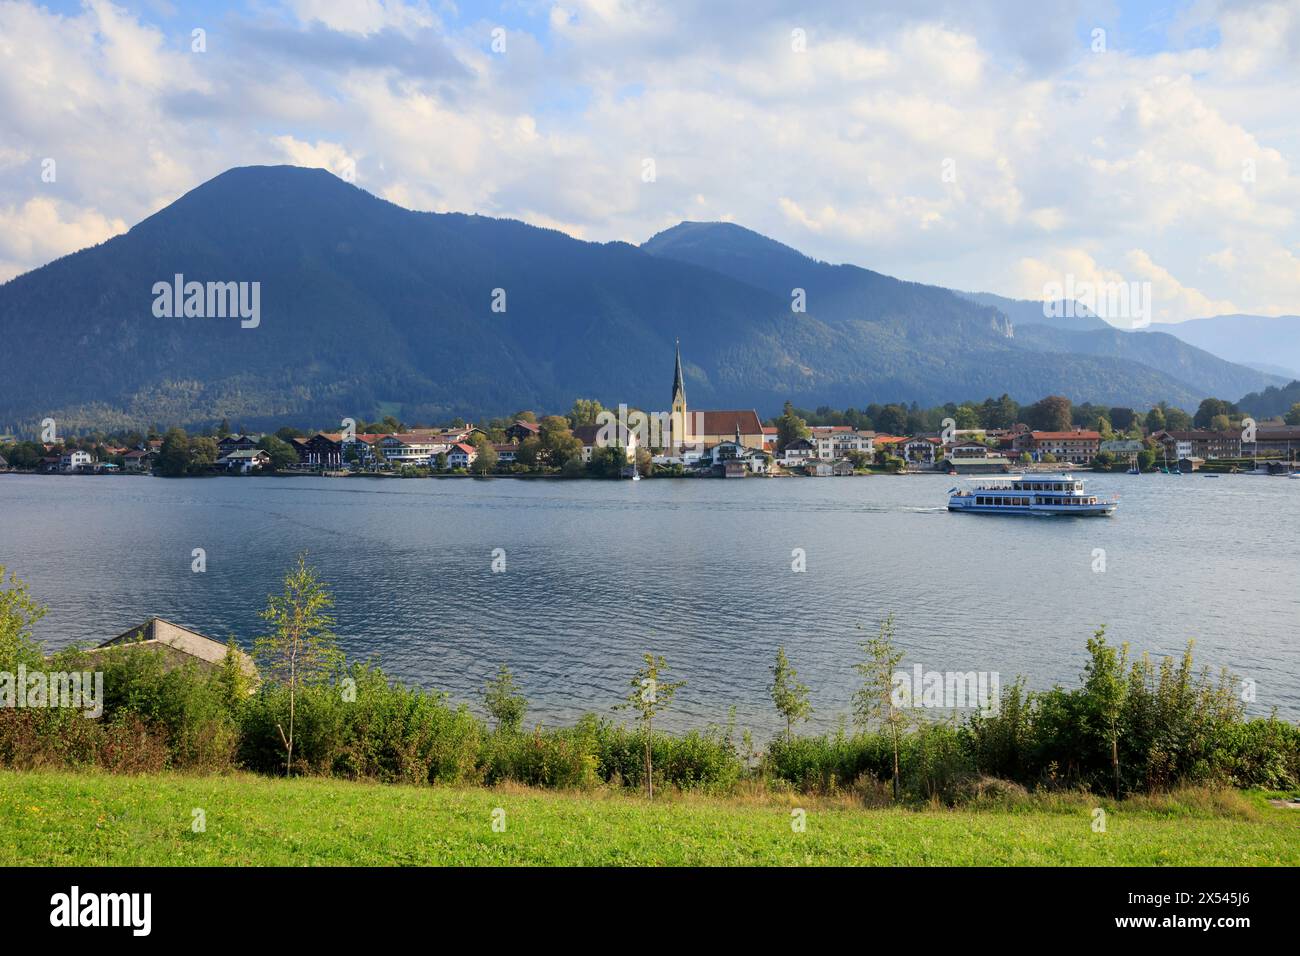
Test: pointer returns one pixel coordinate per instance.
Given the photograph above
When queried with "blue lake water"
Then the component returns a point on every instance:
(699, 571)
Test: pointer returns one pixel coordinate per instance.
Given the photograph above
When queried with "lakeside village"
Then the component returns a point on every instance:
(995, 437)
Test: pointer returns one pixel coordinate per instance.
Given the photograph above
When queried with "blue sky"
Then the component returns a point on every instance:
(979, 144)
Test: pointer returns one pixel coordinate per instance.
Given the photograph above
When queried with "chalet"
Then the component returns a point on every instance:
(819, 469)
(49, 464)
(235, 443)
(798, 452)
(506, 452)
(1125, 450)
(920, 450)
(177, 647)
(244, 460)
(595, 436)
(461, 455)
(321, 450)
(841, 468)
(76, 462)
(521, 430)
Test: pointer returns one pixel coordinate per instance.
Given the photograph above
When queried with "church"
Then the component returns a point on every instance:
(710, 427)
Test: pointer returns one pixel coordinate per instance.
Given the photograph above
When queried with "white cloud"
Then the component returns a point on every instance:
(1176, 167)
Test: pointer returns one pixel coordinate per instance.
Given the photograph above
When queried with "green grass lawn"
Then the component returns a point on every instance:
(87, 819)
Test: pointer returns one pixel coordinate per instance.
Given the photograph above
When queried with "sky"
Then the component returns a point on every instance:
(1006, 146)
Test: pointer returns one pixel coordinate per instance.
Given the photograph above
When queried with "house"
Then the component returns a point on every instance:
(842, 467)
(506, 452)
(1189, 465)
(770, 433)
(235, 443)
(139, 460)
(920, 450)
(1271, 440)
(974, 458)
(461, 455)
(413, 448)
(1079, 446)
(1126, 450)
(177, 646)
(75, 462)
(818, 469)
(1200, 443)
(521, 430)
(599, 436)
(244, 461)
(798, 452)
(837, 441)
(321, 450)
(758, 462)
(734, 468)
(49, 464)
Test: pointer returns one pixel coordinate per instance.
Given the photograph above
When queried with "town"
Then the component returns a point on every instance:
(995, 437)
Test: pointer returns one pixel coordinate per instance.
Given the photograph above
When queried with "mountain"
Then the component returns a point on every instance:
(367, 308)
(1255, 340)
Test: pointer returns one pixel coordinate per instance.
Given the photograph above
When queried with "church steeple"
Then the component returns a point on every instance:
(679, 387)
(680, 430)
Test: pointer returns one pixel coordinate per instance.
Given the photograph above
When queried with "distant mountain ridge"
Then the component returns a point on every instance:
(368, 308)
(1252, 340)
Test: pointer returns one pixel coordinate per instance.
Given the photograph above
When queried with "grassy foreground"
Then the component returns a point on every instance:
(89, 819)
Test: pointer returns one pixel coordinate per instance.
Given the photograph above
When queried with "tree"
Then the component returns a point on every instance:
(301, 649)
(281, 452)
(1209, 409)
(223, 429)
(526, 416)
(1122, 418)
(790, 697)
(584, 412)
(1220, 423)
(174, 458)
(1293, 416)
(1051, 414)
(485, 461)
(19, 613)
(1155, 421)
(203, 454)
(557, 441)
(873, 702)
(649, 697)
(529, 451)
(892, 420)
(790, 427)
(1105, 689)
(504, 703)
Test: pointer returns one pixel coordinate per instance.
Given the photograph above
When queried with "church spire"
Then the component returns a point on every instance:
(679, 387)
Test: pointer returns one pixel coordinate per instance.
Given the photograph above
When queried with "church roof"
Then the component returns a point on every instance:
(728, 422)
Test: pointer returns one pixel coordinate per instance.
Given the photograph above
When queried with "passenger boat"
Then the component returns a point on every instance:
(1030, 495)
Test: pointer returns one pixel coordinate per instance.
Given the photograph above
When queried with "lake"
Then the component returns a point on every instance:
(699, 571)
